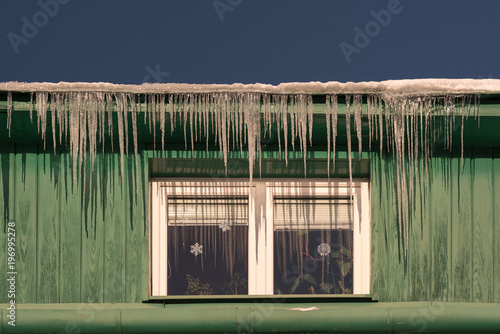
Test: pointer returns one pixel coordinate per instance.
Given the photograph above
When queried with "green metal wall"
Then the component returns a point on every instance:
(93, 247)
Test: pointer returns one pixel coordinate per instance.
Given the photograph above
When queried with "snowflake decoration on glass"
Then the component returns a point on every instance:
(225, 225)
(196, 249)
(324, 249)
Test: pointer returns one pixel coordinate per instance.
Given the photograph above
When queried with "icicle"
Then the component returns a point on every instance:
(369, 114)
(357, 105)
(232, 121)
(102, 118)
(131, 97)
(9, 110)
(310, 118)
(462, 136)
(284, 121)
(92, 117)
(185, 117)
(197, 118)
(125, 121)
(83, 136)
(191, 121)
(153, 117)
(60, 112)
(224, 128)
(41, 111)
(348, 130)
(206, 118)
(302, 118)
(477, 102)
(121, 140)
(109, 108)
(291, 112)
(252, 124)
(74, 132)
(31, 107)
(66, 111)
(334, 101)
(327, 114)
(381, 126)
(171, 112)
(162, 120)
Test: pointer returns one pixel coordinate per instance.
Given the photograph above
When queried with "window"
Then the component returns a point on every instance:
(279, 236)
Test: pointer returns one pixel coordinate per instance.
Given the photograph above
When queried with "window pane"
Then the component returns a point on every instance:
(208, 241)
(317, 213)
(313, 246)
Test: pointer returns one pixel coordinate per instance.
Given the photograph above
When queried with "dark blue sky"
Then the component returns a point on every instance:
(226, 41)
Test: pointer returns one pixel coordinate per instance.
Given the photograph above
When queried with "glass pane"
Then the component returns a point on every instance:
(313, 246)
(208, 242)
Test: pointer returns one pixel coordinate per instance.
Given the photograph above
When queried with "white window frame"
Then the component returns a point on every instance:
(261, 247)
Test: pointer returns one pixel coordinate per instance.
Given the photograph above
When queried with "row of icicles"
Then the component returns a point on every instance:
(407, 122)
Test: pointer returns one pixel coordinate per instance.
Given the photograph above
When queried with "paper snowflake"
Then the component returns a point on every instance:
(324, 249)
(196, 249)
(225, 225)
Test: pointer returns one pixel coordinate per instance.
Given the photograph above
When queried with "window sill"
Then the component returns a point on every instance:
(193, 299)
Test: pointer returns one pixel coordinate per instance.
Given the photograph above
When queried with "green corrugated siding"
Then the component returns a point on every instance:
(76, 248)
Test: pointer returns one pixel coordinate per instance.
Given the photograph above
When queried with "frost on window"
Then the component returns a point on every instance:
(313, 244)
(207, 245)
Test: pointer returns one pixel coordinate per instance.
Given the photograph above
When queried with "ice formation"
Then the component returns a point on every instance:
(403, 113)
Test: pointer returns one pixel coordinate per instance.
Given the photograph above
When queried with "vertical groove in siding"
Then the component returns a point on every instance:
(472, 221)
(452, 219)
(496, 224)
(59, 213)
(126, 194)
(105, 197)
(428, 208)
(145, 277)
(37, 252)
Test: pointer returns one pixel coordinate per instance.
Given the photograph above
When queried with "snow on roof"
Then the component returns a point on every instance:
(399, 87)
